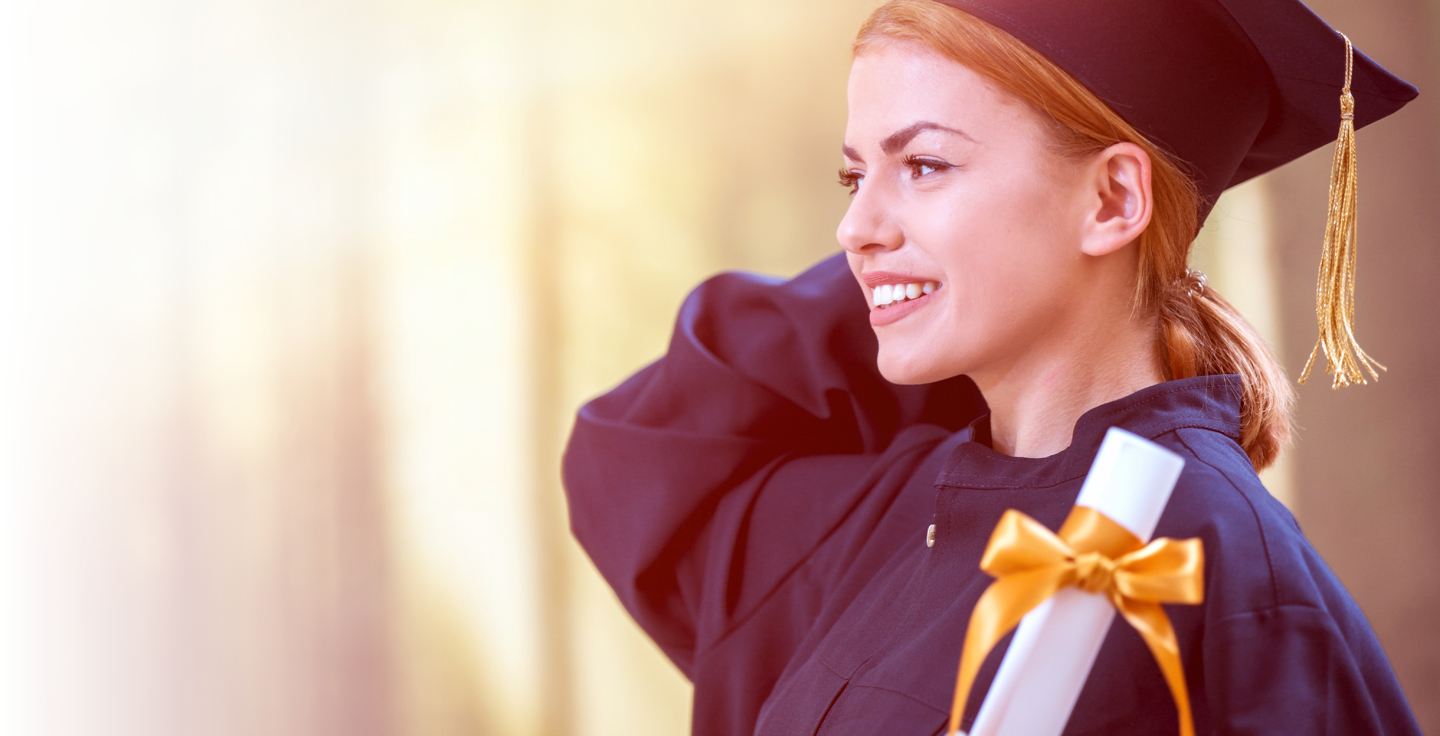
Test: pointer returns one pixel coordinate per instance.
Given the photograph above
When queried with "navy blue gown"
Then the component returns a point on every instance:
(758, 498)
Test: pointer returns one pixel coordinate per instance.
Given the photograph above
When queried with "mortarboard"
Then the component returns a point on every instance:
(1233, 89)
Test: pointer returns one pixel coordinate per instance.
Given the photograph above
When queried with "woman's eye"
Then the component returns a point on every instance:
(923, 167)
(852, 179)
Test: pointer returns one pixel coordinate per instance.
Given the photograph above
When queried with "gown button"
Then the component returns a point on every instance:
(930, 536)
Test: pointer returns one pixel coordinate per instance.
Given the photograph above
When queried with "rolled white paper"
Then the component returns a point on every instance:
(1056, 643)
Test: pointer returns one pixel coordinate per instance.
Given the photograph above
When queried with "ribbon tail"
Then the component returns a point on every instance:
(1150, 621)
(999, 610)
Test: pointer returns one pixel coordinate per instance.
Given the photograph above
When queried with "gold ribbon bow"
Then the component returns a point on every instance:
(1094, 553)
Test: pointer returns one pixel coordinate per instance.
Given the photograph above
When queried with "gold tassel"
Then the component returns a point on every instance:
(1335, 289)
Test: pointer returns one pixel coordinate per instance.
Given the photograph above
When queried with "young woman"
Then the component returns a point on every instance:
(801, 533)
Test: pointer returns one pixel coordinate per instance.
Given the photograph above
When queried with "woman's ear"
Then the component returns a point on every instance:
(1121, 199)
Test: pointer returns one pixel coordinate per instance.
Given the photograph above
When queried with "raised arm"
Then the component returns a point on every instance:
(758, 371)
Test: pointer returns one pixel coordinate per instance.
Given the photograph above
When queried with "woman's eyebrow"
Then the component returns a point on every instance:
(897, 140)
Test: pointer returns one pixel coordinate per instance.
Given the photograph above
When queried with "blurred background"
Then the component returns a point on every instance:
(297, 300)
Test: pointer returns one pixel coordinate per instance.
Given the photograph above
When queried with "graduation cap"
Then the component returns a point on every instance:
(1232, 89)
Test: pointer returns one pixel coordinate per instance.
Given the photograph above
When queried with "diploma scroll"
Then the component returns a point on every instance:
(1055, 644)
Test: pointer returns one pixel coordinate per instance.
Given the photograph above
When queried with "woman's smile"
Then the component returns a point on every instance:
(892, 302)
(894, 295)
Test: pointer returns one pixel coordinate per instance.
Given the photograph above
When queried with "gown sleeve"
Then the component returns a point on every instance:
(758, 372)
(1286, 650)
(1294, 670)
(1309, 662)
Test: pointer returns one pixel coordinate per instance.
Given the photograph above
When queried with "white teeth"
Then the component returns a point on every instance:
(887, 294)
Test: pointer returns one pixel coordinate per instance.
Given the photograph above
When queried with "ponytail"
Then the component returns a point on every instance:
(1203, 335)
(1200, 334)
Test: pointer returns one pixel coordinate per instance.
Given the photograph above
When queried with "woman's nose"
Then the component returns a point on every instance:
(869, 226)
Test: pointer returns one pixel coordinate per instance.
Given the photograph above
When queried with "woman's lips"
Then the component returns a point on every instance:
(899, 310)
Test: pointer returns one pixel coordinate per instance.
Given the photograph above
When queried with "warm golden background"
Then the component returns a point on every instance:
(297, 298)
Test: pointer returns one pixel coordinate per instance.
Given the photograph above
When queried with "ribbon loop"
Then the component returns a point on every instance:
(1094, 553)
(1020, 543)
(1165, 571)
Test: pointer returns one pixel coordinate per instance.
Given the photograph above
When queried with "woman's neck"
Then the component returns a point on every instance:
(1036, 400)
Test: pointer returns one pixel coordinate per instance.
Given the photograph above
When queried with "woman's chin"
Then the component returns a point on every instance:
(906, 368)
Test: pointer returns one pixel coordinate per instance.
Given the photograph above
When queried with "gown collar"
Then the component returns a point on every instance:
(1208, 402)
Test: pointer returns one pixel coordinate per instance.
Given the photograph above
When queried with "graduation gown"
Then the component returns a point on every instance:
(759, 497)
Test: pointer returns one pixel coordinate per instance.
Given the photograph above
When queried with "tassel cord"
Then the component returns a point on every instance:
(1345, 360)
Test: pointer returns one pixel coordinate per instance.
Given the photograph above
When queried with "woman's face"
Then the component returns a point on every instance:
(963, 213)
